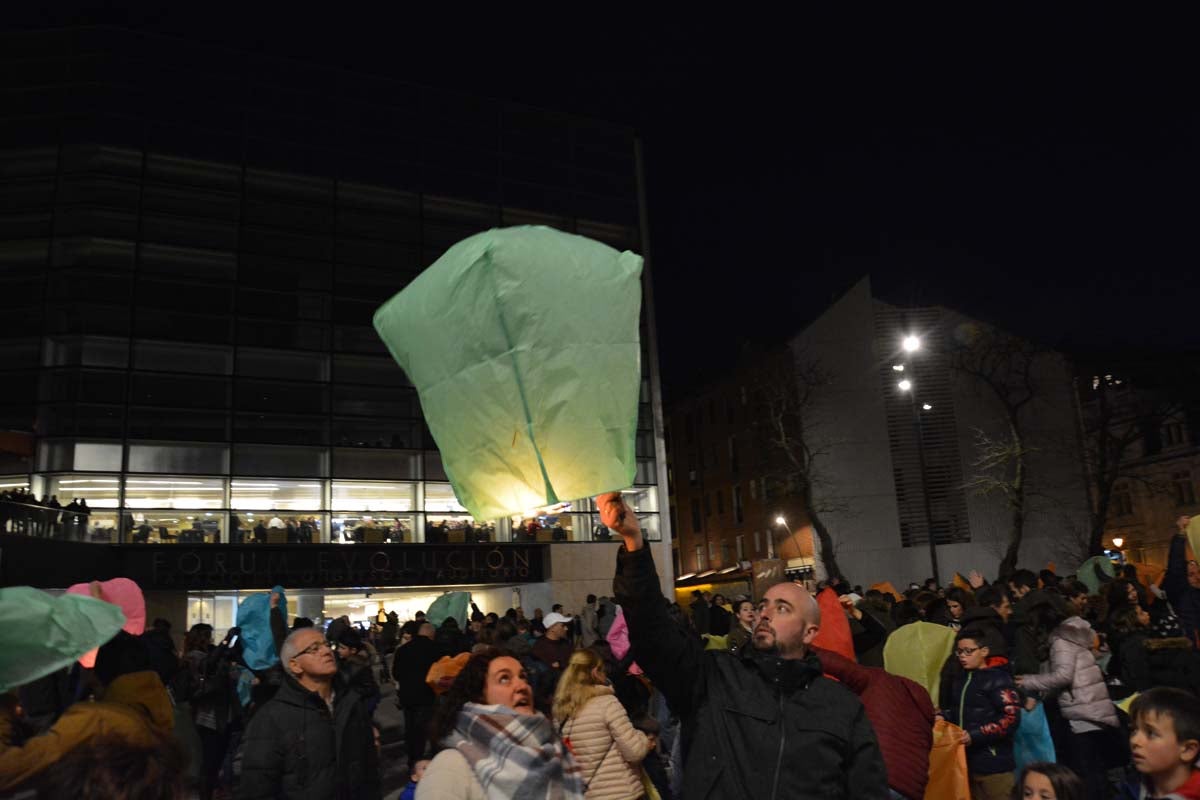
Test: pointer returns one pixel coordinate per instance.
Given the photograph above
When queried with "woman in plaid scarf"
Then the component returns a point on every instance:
(496, 744)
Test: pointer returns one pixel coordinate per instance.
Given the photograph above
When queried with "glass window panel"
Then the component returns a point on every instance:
(360, 463)
(365, 432)
(23, 254)
(355, 339)
(174, 526)
(372, 528)
(191, 202)
(283, 305)
(269, 333)
(93, 251)
(178, 457)
(190, 262)
(282, 397)
(183, 326)
(434, 470)
(281, 460)
(266, 363)
(192, 391)
(100, 491)
(98, 190)
(374, 401)
(270, 527)
(562, 526)
(106, 422)
(374, 496)
(277, 493)
(274, 428)
(283, 274)
(180, 423)
(372, 283)
(647, 472)
(98, 351)
(379, 370)
(74, 385)
(457, 529)
(89, 286)
(55, 456)
(182, 357)
(191, 171)
(83, 221)
(169, 491)
(440, 497)
(192, 297)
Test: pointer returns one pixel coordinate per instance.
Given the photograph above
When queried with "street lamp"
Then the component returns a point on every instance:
(911, 344)
(1117, 542)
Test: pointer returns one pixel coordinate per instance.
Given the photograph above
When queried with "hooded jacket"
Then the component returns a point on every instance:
(1075, 676)
(901, 713)
(607, 746)
(295, 749)
(754, 725)
(134, 707)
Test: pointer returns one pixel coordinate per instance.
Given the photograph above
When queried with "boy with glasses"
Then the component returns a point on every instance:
(987, 708)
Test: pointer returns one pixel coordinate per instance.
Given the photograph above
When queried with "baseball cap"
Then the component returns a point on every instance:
(553, 618)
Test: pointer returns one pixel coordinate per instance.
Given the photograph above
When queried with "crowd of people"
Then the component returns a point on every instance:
(22, 512)
(635, 696)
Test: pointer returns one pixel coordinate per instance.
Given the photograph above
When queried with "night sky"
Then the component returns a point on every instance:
(1039, 173)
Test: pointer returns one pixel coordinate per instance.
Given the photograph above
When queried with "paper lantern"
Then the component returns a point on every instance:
(834, 633)
(523, 346)
(1090, 572)
(123, 593)
(451, 605)
(917, 651)
(40, 633)
(254, 620)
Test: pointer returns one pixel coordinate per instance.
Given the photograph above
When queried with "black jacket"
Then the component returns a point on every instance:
(1184, 598)
(986, 705)
(754, 726)
(410, 665)
(296, 750)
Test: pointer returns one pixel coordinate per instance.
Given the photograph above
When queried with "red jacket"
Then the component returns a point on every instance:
(901, 713)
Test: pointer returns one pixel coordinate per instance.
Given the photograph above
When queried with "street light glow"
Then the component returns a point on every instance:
(905, 385)
(927, 407)
(911, 344)
(898, 367)
(1117, 542)
(780, 521)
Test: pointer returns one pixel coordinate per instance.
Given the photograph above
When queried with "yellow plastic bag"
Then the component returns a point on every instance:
(917, 651)
(948, 779)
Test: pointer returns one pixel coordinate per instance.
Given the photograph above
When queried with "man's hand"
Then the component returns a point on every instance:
(965, 739)
(274, 599)
(618, 516)
(852, 611)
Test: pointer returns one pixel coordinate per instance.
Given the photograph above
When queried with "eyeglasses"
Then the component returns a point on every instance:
(313, 648)
(966, 651)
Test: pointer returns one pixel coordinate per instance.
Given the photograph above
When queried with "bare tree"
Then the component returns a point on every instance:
(787, 428)
(1004, 367)
(1114, 419)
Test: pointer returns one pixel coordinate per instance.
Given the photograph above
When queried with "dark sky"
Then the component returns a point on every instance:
(1038, 172)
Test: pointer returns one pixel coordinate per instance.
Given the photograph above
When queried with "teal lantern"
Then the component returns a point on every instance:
(523, 346)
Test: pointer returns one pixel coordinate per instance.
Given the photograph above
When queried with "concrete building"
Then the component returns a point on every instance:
(192, 243)
(736, 499)
(872, 477)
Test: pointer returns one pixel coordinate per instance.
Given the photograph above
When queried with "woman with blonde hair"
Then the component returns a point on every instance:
(596, 729)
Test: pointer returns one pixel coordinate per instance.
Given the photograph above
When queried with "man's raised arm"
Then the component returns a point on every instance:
(669, 654)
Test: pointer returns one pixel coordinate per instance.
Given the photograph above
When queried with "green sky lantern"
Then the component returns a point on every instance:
(40, 633)
(523, 346)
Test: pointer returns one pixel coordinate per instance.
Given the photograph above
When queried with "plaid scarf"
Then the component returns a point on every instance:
(515, 755)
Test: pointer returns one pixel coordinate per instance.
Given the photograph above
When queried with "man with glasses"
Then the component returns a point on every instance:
(313, 739)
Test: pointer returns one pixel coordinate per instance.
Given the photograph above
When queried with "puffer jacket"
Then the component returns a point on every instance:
(1075, 676)
(295, 749)
(754, 725)
(1146, 661)
(987, 706)
(135, 707)
(607, 746)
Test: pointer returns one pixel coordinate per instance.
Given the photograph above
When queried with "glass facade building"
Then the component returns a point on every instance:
(192, 244)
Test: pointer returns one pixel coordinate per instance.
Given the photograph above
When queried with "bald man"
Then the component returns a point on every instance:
(410, 665)
(759, 723)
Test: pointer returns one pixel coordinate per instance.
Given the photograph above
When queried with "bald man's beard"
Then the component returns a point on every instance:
(765, 640)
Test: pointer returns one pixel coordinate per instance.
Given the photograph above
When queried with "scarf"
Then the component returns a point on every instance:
(515, 755)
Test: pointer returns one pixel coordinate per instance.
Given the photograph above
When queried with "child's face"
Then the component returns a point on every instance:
(971, 654)
(653, 737)
(1156, 748)
(419, 770)
(1038, 786)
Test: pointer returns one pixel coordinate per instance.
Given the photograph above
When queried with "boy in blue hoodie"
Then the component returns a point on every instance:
(987, 708)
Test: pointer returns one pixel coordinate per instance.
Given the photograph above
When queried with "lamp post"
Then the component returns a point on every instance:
(911, 344)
